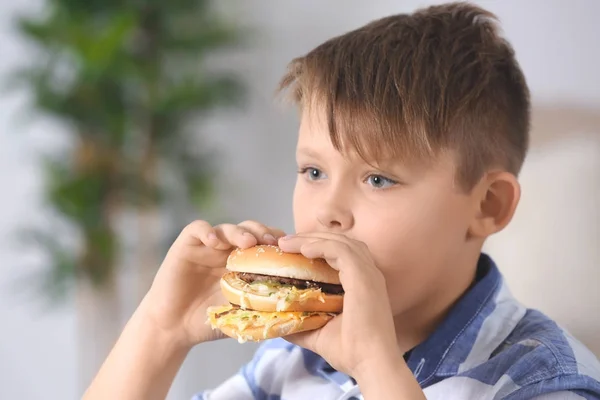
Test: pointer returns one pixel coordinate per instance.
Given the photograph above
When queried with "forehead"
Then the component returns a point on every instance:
(357, 142)
(313, 130)
(314, 141)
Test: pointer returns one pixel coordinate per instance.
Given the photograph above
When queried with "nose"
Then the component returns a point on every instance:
(334, 213)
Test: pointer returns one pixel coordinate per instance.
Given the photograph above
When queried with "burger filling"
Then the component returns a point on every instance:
(285, 290)
(281, 281)
(233, 315)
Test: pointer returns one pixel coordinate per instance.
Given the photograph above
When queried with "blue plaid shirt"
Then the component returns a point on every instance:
(489, 347)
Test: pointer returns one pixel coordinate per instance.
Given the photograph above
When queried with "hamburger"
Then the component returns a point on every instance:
(274, 294)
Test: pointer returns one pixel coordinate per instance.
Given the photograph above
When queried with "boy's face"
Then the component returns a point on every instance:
(414, 220)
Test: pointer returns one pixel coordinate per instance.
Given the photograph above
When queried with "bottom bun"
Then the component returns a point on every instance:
(249, 325)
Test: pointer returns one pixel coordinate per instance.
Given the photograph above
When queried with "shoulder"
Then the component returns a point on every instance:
(493, 347)
(538, 357)
(537, 340)
(541, 355)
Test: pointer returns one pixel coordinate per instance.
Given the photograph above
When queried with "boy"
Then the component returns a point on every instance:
(413, 130)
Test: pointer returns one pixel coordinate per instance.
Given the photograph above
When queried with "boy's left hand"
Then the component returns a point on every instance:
(363, 336)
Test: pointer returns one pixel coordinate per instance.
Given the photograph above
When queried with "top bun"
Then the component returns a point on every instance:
(271, 260)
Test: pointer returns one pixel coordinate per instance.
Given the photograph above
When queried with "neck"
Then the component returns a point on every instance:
(415, 325)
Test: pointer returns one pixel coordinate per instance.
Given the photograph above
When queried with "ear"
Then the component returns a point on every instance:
(496, 199)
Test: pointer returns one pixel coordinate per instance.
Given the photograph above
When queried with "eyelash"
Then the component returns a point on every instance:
(304, 170)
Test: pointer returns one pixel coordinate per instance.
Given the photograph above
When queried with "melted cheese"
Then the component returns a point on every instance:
(243, 319)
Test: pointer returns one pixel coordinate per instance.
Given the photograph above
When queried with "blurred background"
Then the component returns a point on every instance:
(121, 121)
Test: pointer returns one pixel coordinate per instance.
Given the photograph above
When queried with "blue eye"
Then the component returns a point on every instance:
(313, 174)
(380, 182)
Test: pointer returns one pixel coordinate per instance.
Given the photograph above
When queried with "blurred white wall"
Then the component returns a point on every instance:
(550, 254)
(37, 348)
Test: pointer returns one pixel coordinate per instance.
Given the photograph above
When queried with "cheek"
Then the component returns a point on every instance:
(302, 208)
(415, 243)
(415, 228)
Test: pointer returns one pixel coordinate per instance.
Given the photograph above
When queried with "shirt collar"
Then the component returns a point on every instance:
(431, 357)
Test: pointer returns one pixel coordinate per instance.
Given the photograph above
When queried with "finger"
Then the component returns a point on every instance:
(356, 269)
(333, 252)
(235, 235)
(263, 234)
(314, 247)
(199, 232)
(278, 233)
(294, 243)
(334, 244)
(327, 235)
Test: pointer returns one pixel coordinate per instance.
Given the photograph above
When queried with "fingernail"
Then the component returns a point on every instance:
(286, 237)
(212, 236)
(269, 238)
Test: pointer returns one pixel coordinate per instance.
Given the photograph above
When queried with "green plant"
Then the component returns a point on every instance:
(128, 79)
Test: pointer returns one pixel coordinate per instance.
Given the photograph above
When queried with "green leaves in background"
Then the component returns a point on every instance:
(128, 78)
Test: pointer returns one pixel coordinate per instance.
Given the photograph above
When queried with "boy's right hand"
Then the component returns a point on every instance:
(187, 282)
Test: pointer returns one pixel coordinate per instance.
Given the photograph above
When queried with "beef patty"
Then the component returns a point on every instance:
(299, 283)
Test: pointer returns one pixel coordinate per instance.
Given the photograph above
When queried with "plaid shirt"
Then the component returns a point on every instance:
(488, 347)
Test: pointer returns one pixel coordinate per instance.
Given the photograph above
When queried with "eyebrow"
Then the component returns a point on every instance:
(307, 152)
(388, 164)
